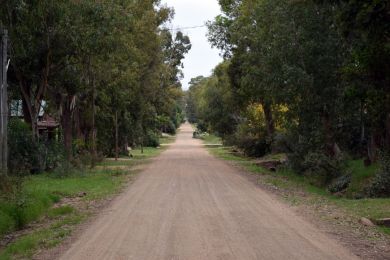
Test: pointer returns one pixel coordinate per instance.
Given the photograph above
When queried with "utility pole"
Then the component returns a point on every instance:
(3, 102)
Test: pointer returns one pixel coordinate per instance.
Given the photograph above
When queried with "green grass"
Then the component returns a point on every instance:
(127, 161)
(288, 180)
(211, 139)
(47, 237)
(167, 139)
(225, 153)
(96, 184)
(361, 176)
(39, 193)
(148, 152)
(138, 156)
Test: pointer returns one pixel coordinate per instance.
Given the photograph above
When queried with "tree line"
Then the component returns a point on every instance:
(107, 71)
(309, 78)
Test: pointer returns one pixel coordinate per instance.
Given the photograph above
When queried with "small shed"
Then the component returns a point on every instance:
(47, 126)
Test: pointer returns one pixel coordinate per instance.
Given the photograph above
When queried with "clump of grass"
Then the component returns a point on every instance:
(27, 206)
(25, 246)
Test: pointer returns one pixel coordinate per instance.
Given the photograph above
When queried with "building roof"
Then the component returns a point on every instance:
(47, 122)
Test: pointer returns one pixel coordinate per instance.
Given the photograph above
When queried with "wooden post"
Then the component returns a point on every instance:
(3, 102)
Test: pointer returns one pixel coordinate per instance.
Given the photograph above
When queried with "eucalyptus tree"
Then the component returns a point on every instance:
(366, 30)
(33, 28)
(285, 52)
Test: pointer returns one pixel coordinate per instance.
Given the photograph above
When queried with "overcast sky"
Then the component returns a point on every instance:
(202, 58)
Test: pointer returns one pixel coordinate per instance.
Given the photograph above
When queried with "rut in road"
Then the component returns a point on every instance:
(189, 205)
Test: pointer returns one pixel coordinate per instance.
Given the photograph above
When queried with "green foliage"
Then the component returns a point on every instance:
(28, 155)
(32, 199)
(340, 184)
(210, 102)
(152, 139)
(252, 146)
(19, 207)
(27, 199)
(25, 246)
(322, 62)
(361, 176)
(380, 186)
(99, 72)
(322, 169)
(22, 149)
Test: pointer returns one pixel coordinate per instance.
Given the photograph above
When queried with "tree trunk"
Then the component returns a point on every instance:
(373, 145)
(116, 137)
(30, 111)
(362, 125)
(387, 134)
(269, 120)
(125, 145)
(66, 123)
(93, 134)
(331, 147)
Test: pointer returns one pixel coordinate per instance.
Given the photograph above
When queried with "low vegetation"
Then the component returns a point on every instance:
(42, 210)
(293, 184)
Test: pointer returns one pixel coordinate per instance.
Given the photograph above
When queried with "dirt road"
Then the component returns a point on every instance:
(189, 205)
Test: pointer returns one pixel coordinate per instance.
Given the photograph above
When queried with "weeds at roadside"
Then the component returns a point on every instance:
(37, 194)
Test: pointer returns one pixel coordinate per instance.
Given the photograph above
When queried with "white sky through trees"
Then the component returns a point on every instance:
(189, 13)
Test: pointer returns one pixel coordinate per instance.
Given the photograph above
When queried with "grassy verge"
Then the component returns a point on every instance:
(48, 208)
(293, 185)
(211, 140)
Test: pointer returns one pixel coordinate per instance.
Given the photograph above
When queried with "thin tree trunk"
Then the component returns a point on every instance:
(362, 126)
(66, 122)
(116, 137)
(125, 145)
(93, 137)
(331, 147)
(269, 119)
(374, 145)
(387, 134)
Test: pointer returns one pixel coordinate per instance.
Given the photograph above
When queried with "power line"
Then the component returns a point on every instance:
(187, 28)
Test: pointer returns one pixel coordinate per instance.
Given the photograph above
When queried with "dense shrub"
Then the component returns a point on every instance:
(380, 186)
(29, 156)
(168, 125)
(151, 139)
(170, 128)
(340, 184)
(322, 169)
(252, 146)
(201, 126)
(54, 155)
(23, 151)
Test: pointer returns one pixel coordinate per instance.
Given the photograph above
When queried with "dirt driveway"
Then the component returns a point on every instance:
(190, 205)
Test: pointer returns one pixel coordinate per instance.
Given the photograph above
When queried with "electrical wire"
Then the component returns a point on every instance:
(187, 28)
